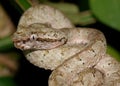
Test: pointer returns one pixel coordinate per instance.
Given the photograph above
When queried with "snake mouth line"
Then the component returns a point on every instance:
(38, 43)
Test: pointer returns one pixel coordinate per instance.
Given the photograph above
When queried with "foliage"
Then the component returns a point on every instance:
(7, 81)
(107, 11)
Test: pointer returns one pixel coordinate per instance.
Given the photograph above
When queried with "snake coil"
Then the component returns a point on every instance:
(77, 56)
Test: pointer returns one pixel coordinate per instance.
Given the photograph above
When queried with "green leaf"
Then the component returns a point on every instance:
(24, 4)
(7, 81)
(6, 44)
(107, 11)
(113, 52)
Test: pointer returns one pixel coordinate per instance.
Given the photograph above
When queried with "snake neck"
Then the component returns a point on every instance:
(75, 38)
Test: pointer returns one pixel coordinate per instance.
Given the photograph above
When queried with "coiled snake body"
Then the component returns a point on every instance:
(77, 56)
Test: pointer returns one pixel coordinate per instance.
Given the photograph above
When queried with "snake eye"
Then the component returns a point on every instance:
(33, 37)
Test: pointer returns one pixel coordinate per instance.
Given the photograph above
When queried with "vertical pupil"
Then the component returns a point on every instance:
(33, 37)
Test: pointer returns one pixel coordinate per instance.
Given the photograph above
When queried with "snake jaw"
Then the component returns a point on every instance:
(35, 43)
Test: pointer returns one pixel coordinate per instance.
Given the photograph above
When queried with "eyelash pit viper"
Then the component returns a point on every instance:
(76, 55)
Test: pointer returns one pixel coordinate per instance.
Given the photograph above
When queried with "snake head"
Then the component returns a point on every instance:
(38, 36)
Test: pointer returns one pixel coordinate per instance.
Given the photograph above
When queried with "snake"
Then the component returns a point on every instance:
(77, 56)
